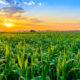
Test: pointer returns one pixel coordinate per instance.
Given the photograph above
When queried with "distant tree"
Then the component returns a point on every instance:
(32, 31)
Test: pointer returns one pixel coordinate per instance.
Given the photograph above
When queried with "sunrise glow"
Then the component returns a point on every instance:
(22, 15)
(8, 24)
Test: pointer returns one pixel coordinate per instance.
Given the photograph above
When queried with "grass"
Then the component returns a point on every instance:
(40, 56)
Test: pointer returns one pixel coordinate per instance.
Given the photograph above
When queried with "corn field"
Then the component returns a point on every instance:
(40, 56)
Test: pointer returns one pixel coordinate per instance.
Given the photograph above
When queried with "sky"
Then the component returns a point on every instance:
(23, 15)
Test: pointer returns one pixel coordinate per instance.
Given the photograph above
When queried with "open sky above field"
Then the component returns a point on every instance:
(22, 15)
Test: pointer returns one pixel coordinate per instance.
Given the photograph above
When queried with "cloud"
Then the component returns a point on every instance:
(10, 11)
(14, 7)
(16, 15)
(29, 3)
(10, 2)
(40, 4)
(13, 10)
(18, 3)
(2, 2)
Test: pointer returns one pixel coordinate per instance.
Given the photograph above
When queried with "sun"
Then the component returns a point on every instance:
(8, 24)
